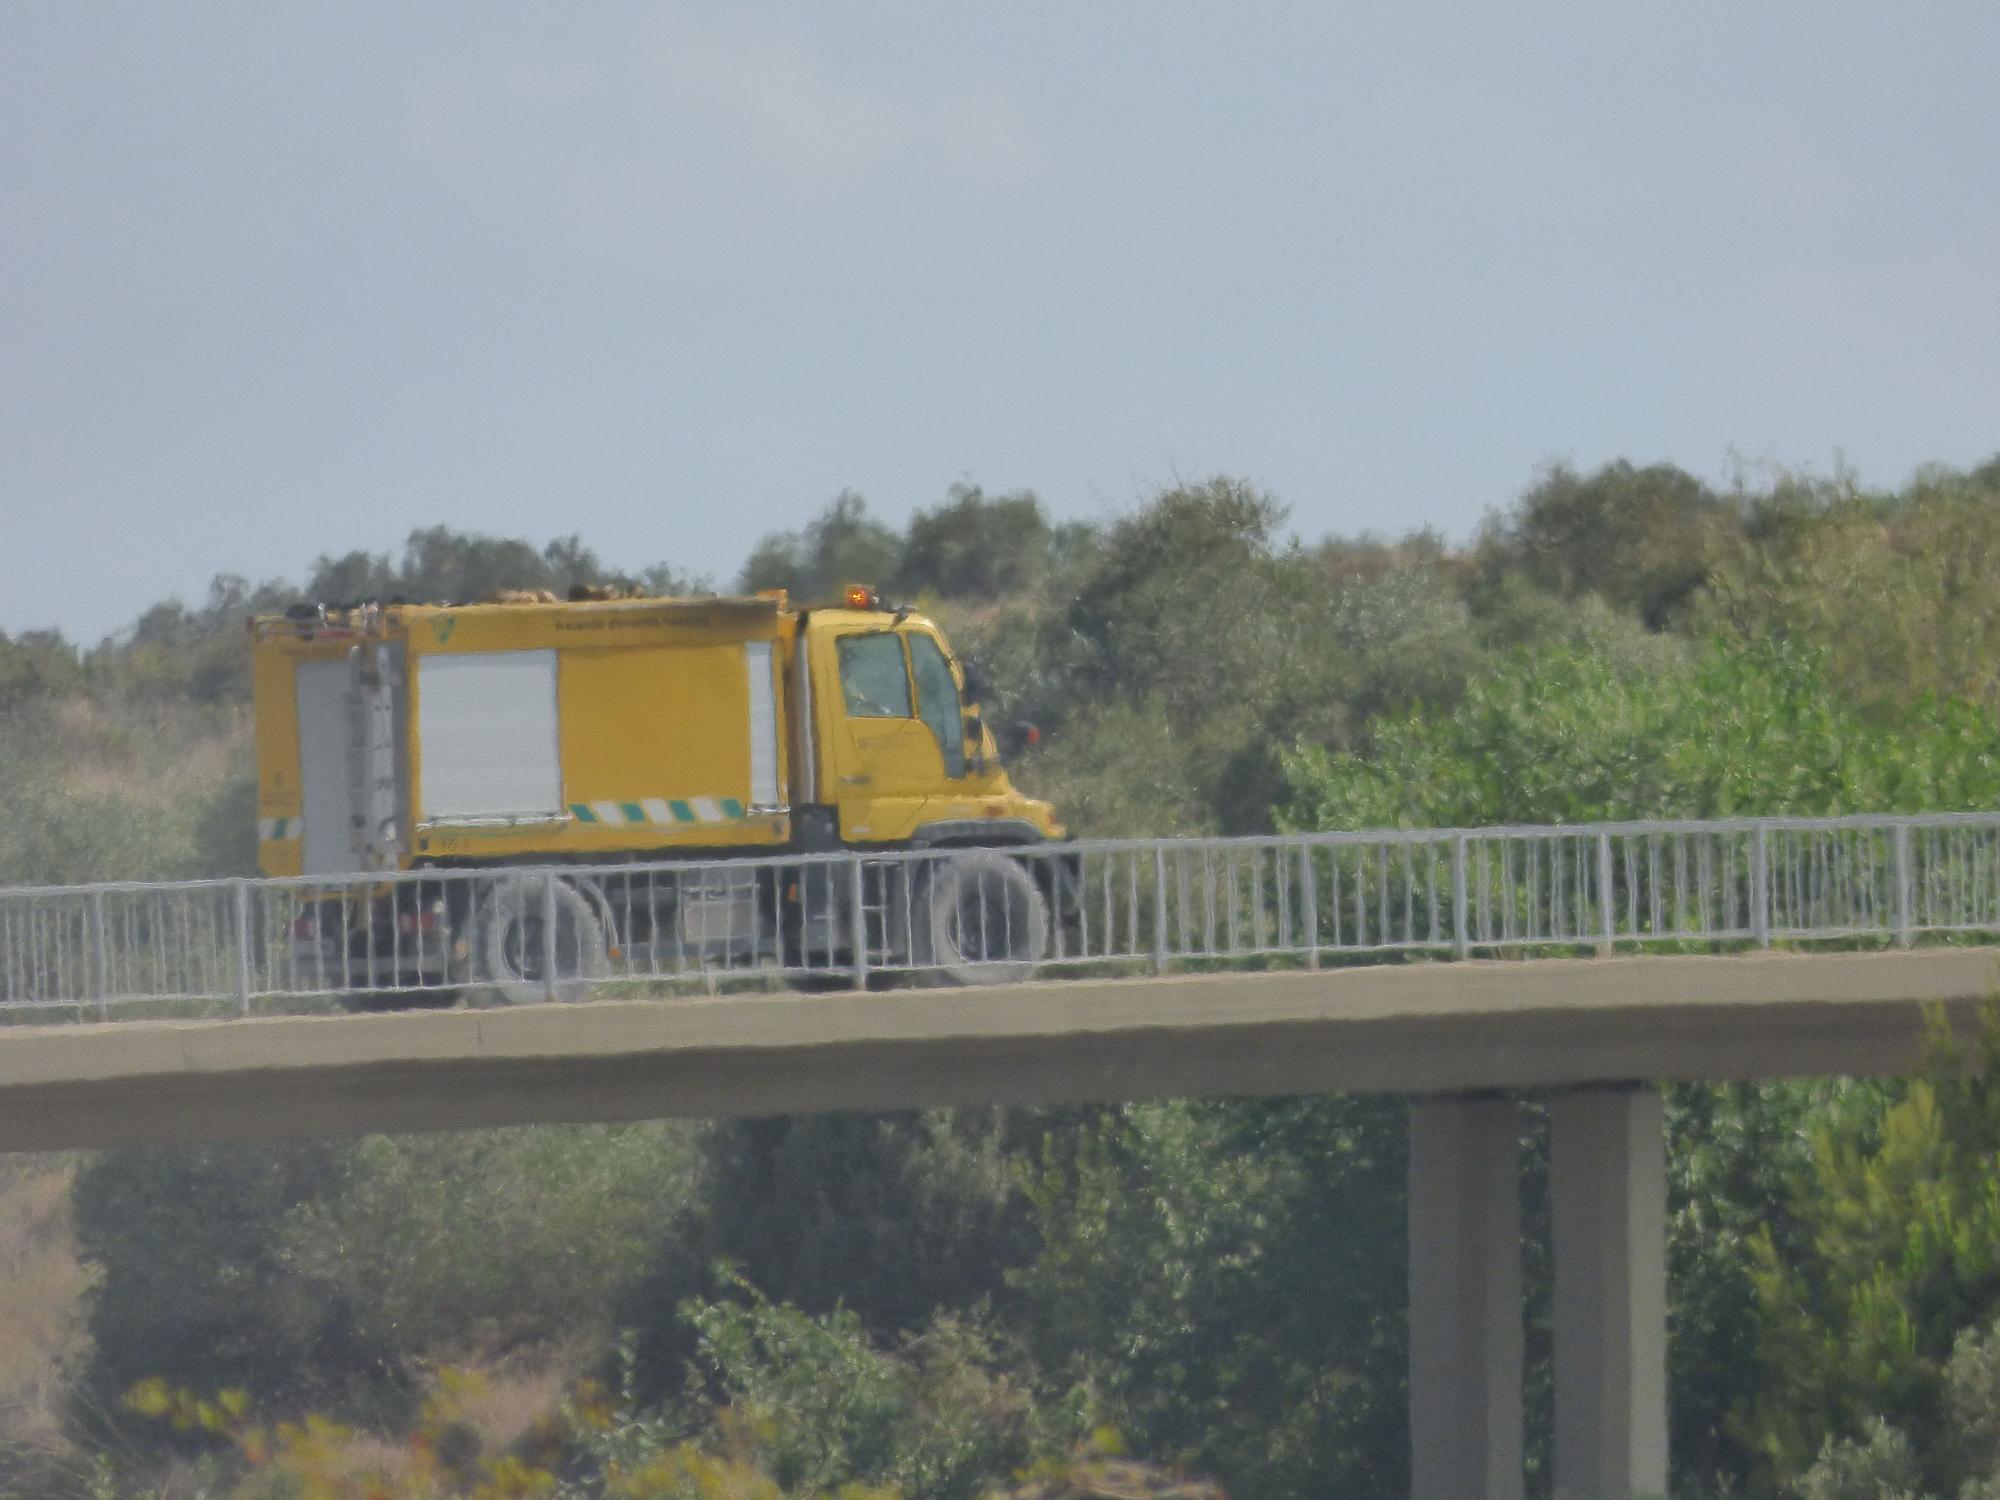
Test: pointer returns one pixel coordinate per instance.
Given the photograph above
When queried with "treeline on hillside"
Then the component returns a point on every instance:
(930, 1303)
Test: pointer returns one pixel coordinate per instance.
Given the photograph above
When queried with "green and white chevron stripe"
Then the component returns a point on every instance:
(275, 830)
(668, 811)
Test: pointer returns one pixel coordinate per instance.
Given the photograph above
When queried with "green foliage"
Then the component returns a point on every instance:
(193, 1285)
(1878, 1466)
(1121, 769)
(976, 547)
(1898, 1252)
(1568, 734)
(1902, 592)
(327, 1275)
(1183, 602)
(225, 826)
(841, 545)
(892, 1216)
(1191, 622)
(1733, 1152)
(201, 655)
(1219, 1281)
(489, 1241)
(1881, 1462)
(936, 1415)
(38, 664)
(439, 564)
(1641, 539)
(54, 833)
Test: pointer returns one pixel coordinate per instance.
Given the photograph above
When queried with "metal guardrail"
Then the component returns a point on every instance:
(526, 934)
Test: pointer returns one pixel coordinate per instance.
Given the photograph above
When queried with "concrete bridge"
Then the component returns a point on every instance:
(1602, 1031)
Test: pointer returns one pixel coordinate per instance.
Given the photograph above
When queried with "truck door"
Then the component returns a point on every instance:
(886, 761)
(937, 700)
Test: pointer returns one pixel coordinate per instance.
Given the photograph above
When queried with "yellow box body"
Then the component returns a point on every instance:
(677, 726)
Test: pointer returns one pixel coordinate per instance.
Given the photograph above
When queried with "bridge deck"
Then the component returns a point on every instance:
(1416, 1028)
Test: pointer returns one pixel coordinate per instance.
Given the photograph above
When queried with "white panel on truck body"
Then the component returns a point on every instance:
(488, 746)
(764, 793)
(325, 694)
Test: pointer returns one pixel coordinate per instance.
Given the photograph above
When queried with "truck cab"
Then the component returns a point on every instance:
(899, 754)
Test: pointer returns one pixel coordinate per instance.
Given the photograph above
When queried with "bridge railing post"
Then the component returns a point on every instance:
(1461, 923)
(1607, 915)
(1160, 908)
(242, 905)
(1309, 903)
(1760, 886)
(100, 955)
(857, 900)
(549, 935)
(1906, 931)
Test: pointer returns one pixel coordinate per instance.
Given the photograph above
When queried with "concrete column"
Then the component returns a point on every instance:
(1465, 1299)
(1608, 1199)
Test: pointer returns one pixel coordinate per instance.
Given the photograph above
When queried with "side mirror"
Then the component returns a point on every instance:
(975, 682)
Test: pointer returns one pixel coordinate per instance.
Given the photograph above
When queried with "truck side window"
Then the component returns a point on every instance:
(937, 701)
(873, 678)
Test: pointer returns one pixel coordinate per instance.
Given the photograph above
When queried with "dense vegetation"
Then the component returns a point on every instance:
(934, 1304)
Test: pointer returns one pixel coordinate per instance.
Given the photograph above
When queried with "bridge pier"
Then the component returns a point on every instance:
(1465, 1298)
(1608, 1197)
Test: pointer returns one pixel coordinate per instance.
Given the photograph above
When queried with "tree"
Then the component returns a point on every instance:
(841, 545)
(1642, 538)
(1222, 1282)
(932, 1413)
(1899, 1254)
(1193, 614)
(893, 1216)
(1570, 735)
(976, 547)
(193, 1286)
(456, 1245)
(1901, 592)
(440, 565)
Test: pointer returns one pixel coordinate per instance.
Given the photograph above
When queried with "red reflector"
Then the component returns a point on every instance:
(306, 925)
(417, 921)
(1034, 735)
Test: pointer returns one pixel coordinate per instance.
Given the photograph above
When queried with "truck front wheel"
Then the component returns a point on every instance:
(980, 919)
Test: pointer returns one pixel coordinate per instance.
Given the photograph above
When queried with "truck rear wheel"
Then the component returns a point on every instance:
(980, 919)
(514, 945)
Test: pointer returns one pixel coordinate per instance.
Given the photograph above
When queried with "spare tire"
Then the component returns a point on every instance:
(513, 944)
(980, 919)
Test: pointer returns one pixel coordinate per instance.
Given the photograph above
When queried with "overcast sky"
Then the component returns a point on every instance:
(278, 280)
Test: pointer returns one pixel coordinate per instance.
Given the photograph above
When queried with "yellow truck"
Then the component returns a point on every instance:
(740, 737)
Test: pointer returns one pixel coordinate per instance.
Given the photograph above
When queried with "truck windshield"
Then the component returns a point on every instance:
(937, 701)
(873, 678)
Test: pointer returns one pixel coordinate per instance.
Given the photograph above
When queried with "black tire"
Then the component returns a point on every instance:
(510, 945)
(979, 919)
